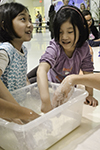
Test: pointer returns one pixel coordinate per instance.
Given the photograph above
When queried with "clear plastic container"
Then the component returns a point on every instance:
(46, 130)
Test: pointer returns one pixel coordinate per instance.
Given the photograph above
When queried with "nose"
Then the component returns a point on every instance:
(89, 23)
(30, 25)
(65, 36)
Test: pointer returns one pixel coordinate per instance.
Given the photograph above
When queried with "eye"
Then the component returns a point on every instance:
(23, 19)
(70, 32)
(30, 20)
(60, 32)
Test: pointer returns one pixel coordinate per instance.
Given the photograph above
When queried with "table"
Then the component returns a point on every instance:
(96, 58)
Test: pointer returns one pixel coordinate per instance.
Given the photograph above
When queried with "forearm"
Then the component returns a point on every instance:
(9, 110)
(42, 81)
(97, 40)
(5, 94)
(89, 80)
(43, 85)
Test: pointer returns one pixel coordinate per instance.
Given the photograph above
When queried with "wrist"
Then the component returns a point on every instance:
(69, 82)
(75, 79)
(45, 98)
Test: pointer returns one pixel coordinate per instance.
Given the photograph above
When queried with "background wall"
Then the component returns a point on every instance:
(43, 7)
(29, 4)
(95, 9)
(47, 4)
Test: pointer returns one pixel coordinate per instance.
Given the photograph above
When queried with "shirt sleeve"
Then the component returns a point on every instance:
(50, 54)
(87, 64)
(4, 60)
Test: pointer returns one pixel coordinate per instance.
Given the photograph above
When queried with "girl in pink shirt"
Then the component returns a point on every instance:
(67, 53)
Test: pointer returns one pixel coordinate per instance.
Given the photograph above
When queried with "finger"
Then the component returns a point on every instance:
(86, 102)
(7, 119)
(95, 103)
(18, 121)
(89, 102)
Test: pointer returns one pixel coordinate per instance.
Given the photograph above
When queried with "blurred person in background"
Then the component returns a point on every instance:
(82, 6)
(40, 21)
(94, 34)
(51, 15)
(65, 2)
(37, 23)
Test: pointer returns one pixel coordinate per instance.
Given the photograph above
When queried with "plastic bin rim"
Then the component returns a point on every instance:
(28, 126)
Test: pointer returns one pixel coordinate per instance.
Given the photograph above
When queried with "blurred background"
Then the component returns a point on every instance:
(43, 6)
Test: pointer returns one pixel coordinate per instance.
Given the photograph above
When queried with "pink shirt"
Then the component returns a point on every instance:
(62, 65)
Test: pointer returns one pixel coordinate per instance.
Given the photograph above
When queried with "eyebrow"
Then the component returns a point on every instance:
(21, 14)
(68, 28)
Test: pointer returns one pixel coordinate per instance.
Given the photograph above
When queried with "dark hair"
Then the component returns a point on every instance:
(8, 12)
(52, 8)
(86, 12)
(76, 18)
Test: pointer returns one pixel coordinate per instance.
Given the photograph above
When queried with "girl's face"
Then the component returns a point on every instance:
(22, 25)
(66, 37)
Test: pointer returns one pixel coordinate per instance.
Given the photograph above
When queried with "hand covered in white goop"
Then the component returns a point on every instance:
(62, 93)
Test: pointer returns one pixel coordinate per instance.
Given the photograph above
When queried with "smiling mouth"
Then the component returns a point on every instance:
(65, 42)
(29, 32)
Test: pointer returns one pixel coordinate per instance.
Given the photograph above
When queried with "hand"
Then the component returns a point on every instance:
(58, 98)
(46, 107)
(90, 100)
(26, 117)
(29, 116)
(62, 94)
(18, 121)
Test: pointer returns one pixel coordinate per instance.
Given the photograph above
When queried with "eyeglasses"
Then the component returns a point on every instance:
(90, 20)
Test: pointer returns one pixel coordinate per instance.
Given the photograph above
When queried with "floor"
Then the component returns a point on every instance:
(36, 47)
(90, 116)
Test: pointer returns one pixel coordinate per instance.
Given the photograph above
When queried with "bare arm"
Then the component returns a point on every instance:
(12, 111)
(89, 80)
(97, 40)
(5, 94)
(88, 88)
(42, 81)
